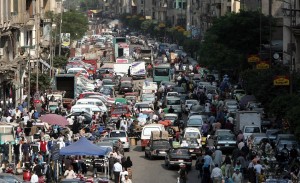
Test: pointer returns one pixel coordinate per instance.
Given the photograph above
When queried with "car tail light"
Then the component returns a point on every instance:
(189, 160)
(126, 139)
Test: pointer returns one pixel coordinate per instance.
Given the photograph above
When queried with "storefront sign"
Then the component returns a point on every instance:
(122, 61)
(253, 59)
(281, 81)
(262, 65)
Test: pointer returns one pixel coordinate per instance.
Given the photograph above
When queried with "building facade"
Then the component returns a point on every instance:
(22, 42)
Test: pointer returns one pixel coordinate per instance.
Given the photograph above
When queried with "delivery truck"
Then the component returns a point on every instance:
(67, 83)
(138, 70)
(248, 122)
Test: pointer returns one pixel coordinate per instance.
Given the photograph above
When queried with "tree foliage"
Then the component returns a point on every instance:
(75, 23)
(43, 82)
(60, 61)
(232, 37)
(260, 84)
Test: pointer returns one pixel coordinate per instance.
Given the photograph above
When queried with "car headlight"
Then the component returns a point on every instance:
(218, 147)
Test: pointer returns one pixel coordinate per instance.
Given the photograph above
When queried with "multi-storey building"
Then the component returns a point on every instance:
(22, 42)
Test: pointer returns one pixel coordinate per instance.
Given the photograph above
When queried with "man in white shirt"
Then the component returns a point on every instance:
(8, 118)
(117, 170)
(258, 167)
(34, 178)
(216, 174)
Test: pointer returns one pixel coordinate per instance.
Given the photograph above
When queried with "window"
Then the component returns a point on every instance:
(117, 134)
(161, 72)
(142, 1)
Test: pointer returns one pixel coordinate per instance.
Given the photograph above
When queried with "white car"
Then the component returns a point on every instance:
(188, 104)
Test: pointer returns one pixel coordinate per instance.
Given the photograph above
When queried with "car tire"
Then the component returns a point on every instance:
(146, 155)
(127, 150)
(143, 148)
(151, 157)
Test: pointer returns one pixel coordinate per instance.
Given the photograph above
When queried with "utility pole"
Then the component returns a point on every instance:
(61, 12)
(29, 73)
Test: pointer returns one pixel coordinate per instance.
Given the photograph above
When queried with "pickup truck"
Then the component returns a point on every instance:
(157, 148)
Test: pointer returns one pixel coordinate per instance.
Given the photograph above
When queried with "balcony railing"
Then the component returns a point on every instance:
(20, 18)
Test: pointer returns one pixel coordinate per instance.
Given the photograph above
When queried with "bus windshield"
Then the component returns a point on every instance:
(161, 72)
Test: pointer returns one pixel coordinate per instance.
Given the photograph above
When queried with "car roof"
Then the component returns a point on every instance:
(191, 129)
(196, 116)
(154, 125)
(259, 135)
(173, 98)
(171, 114)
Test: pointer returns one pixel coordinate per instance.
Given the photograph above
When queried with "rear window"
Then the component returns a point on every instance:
(192, 135)
(147, 131)
(119, 111)
(180, 151)
(173, 102)
(252, 130)
(117, 134)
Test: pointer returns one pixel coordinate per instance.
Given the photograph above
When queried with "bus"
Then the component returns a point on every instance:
(161, 72)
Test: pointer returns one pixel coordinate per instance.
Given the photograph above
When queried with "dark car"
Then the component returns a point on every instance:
(107, 91)
(9, 178)
(87, 116)
(125, 87)
(177, 156)
(157, 148)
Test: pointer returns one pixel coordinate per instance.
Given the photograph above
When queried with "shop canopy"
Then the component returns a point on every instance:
(84, 147)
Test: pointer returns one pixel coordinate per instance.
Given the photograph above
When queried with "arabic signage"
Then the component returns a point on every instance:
(253, 59)
(262, 65)
(281, 81)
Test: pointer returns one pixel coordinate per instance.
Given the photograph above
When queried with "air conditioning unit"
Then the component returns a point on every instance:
(1, 51)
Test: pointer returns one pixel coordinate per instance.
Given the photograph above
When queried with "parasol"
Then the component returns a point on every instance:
(54, 119)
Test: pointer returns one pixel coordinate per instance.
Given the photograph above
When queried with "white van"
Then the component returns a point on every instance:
(76, 70)
(86, 108)
(146, 133)
(89, 101)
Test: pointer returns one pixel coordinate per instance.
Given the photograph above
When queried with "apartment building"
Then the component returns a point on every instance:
(22, 39)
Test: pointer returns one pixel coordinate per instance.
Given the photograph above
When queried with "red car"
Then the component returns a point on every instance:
(118, 110)
(86, 94)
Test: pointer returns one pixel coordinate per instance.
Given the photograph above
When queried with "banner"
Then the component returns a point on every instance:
(65, 39)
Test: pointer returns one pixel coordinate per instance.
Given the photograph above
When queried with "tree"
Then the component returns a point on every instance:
(75, 23)
(60, 61)
(260, 84)
(43, 83)
(232, 37)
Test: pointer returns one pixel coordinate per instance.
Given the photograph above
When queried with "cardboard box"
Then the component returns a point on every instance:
(164, 135)
(155, 135)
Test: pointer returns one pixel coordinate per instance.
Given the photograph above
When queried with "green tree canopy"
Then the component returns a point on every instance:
(232, 37)
(60, 61)
(75, 23)
(44, 81)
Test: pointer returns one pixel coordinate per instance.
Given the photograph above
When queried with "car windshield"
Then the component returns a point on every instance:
(117, 134)
(119, 110)
(107, 82)
(252, 130)
(195, 121)
(173, 102)
(226, 137)
(142, 105)
(126, 84)
(195, 135)
(161, 144)
(179, 90)
(161, 72)
(172, 94)
(180, 151)
(170, 117)
(192, 102)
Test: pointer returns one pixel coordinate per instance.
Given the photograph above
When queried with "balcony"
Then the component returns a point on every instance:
(20, 18)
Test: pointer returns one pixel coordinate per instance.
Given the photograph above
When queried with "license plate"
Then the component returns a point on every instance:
(191, 150)
(125, 88)
(180, 161)
(162, 152)
(226, 145)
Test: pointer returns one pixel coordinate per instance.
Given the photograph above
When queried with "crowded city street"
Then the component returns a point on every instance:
(107, 97)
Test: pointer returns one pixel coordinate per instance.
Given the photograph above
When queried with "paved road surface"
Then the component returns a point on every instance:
(154, 171)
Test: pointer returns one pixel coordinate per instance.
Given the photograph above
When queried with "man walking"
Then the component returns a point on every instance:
(117, 170)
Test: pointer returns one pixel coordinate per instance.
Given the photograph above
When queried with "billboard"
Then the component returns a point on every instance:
(65, 40)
